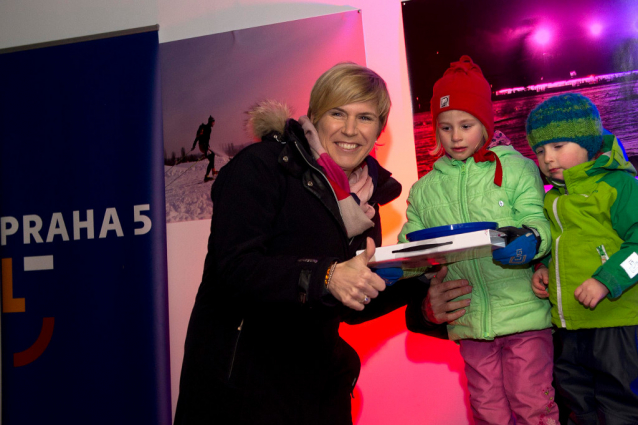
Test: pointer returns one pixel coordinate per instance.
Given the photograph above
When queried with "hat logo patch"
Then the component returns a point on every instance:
(445, 102)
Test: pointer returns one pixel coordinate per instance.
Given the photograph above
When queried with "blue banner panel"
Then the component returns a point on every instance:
(83, 237)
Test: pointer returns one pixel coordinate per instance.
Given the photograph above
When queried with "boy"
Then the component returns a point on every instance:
(593, 267)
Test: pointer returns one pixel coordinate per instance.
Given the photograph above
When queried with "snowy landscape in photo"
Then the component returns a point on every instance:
(187, 194)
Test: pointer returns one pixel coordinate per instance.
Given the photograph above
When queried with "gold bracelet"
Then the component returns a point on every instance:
(329, 274)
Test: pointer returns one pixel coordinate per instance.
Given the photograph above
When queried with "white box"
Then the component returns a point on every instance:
(442, 250)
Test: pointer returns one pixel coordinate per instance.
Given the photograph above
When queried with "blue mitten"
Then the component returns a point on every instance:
(522, 246)
(390, 275)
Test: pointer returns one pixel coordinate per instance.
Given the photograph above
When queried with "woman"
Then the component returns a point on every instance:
(281, 273)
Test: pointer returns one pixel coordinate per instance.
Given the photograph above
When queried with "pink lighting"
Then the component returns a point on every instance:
(595, 29)
(573, 82)
(542, 36)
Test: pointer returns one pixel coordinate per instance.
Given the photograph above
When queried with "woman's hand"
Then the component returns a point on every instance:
(590, 292)
(437, 306)
(353, 283)
(540, 280)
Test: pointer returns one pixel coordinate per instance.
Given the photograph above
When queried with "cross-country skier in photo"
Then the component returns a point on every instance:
(203, 139)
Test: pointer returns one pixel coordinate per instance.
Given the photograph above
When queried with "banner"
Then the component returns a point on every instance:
(83, 243)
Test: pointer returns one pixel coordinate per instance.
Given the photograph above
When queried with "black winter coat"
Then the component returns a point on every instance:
(263, 344)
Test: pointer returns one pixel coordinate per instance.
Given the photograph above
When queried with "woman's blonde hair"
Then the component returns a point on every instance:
(438, 150)
(347, 83)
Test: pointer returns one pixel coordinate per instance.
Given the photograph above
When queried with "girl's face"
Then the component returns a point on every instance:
(460, 134)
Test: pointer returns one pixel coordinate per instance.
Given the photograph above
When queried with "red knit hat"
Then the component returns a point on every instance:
(463, 87)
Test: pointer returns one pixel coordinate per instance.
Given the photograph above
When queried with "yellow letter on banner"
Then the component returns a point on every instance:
(9, 304)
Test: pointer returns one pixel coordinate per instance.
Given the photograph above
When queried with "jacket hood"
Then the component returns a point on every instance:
(612, 158)
(266, 117)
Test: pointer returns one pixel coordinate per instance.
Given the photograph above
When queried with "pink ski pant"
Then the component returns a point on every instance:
(510, 379)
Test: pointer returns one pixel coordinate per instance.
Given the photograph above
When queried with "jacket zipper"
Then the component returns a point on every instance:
(322, 175)
(559, 296)
(232, 360)
(466, 218)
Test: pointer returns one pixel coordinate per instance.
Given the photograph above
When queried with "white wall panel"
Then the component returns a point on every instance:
(24, 22)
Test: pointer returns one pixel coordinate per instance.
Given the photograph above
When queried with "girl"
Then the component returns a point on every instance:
(504, 335)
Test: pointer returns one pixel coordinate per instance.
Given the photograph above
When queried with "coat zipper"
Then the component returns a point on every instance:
(232, 360)
(322, 175)
(466, 218)
(559, 297)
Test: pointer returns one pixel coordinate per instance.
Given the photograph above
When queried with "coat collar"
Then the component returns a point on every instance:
(295, 158)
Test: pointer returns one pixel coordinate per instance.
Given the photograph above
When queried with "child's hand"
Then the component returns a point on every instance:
(540, 280)
(590, 292)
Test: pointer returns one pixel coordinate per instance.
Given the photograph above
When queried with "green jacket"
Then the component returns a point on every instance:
(503, 302)
(596, 206)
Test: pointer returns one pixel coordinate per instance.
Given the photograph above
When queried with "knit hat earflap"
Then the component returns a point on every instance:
(569, 117)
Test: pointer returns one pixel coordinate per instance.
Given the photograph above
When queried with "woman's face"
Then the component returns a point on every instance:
(349, 132)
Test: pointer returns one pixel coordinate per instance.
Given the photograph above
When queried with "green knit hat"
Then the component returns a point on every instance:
(568, 117)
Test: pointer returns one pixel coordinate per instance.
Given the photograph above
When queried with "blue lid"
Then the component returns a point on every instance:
(449, 230)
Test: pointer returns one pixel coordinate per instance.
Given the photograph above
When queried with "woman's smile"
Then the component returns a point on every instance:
(347, 146)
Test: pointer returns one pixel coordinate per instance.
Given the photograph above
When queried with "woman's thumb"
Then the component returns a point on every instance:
(369, 251)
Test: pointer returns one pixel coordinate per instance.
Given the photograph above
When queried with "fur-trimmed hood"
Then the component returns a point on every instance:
(267, 116)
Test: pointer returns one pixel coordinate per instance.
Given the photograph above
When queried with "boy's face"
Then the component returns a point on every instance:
(460, 133)
(554, 158)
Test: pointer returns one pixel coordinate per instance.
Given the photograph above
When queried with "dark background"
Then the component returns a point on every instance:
(523, 44)
(501, 36)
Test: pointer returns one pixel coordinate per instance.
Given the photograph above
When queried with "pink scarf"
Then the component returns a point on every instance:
(357, 216)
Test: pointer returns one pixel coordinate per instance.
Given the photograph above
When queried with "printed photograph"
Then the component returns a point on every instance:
(209, 82)
(528, 52)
